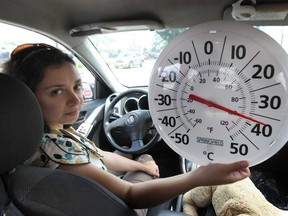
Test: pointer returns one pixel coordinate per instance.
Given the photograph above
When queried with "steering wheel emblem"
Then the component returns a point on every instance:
(131, 120)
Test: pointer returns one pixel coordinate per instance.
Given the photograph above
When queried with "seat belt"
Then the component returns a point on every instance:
(3, 197)
(7, 208)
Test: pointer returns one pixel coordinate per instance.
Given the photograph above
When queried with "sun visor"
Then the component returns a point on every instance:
(117, 26)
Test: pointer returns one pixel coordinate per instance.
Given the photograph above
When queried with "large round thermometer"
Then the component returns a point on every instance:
(218, 93)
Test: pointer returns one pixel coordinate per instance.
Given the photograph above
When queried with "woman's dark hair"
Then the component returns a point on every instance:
(28, 64)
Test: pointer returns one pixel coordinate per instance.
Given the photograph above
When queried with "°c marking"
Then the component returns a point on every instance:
(209, 155)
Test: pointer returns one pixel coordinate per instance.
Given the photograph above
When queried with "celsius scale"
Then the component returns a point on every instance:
(218, 93)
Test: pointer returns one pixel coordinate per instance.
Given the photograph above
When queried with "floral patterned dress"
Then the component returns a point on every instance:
(65, 147)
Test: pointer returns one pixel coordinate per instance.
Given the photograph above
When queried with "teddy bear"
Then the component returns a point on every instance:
(241, 198)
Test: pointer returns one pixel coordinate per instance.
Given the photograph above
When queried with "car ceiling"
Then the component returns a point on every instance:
(67, 14)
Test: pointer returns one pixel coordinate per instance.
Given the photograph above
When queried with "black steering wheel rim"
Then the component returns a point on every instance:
(134, 123)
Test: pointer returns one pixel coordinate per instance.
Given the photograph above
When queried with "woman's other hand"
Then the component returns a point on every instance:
(215, 174)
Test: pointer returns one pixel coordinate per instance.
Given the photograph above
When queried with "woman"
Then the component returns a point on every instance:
(54, 79)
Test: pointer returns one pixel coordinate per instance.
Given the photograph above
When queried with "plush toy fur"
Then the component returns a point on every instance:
(238, 199)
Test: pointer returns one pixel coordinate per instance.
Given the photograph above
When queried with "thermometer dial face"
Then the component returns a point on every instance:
(218, 93)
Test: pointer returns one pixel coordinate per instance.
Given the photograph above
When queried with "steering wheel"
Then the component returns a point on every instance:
(136, 124)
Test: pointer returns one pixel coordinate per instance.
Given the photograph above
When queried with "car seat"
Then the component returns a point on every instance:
(28, 190)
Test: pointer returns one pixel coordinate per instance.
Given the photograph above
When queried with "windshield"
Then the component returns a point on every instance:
(131, 55)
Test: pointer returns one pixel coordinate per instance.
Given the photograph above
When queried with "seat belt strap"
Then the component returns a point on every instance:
(3, 197)
(7, 208)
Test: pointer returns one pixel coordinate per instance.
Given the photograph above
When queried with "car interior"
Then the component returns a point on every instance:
(83, 28)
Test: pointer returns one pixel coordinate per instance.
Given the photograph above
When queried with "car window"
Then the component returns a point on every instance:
(12, 39)
(279, 33)
(142, 47)
(149, 44)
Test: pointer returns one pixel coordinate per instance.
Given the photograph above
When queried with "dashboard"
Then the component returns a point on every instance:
(131, 102)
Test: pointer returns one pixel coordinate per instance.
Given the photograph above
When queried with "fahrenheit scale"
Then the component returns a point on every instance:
(218, 93)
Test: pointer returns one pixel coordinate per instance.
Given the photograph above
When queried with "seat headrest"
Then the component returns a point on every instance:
(21, 123)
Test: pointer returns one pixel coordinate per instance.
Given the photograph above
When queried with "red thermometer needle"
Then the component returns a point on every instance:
(225, 109)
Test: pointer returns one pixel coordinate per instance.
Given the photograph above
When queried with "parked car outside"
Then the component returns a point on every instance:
(4, 55)
(129, 60)
(151, 55)
(87, 91)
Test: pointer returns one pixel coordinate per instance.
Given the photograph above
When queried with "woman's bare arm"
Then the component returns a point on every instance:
(154, 192)
(117, 162)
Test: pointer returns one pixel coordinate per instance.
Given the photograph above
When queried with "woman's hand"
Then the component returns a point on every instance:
(151, 168)
(216, 174)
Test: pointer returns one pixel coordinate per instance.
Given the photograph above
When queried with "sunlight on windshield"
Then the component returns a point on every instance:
(131, 55)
